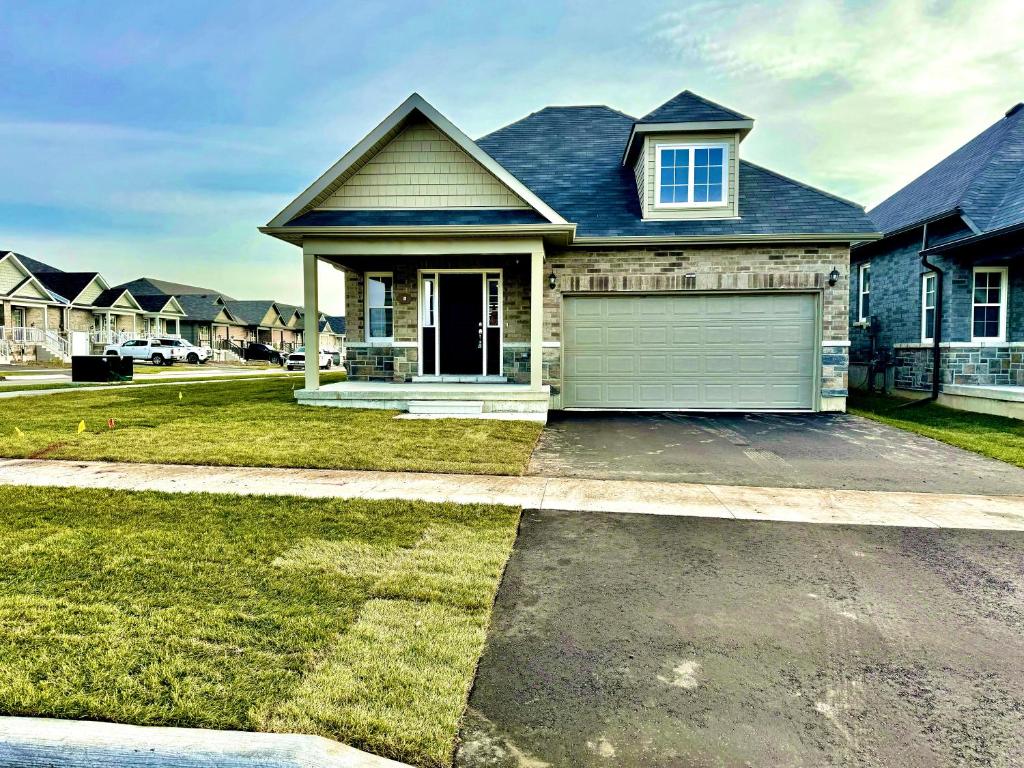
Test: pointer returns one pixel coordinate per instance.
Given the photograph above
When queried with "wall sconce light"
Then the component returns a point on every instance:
(833, 276)
(404, 298)
(552, 281)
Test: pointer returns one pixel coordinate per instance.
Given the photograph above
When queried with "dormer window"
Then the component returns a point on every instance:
(692, 175)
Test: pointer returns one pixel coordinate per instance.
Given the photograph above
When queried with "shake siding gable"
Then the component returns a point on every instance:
(10, 276)
(88, 296)
(422, 168)
(30, 291)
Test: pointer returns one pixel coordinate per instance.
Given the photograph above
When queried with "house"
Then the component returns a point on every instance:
(578, 258)
(81, 303)
(208, 322)
(946, 280)
(264, 322)
(332, 332)
(640, 262)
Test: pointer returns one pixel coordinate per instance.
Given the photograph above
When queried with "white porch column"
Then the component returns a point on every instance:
(537, 317)
(310, 287)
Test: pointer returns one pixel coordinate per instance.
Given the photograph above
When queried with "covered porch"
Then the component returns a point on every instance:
(435, 326)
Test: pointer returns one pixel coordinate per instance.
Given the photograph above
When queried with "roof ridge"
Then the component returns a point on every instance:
(695, 97)
(524, 118)
(791, 180)
(1014, 132)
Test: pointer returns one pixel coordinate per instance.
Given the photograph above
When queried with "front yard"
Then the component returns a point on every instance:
(253, 422)
(994, 436)
(361, 621)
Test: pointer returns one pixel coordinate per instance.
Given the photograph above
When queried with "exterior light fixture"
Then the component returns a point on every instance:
(552, 280)
(833, 276)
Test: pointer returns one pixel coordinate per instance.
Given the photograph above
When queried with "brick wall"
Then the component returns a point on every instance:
(793, 267)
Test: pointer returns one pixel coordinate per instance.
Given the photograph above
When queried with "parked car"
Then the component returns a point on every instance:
(256, 351)
(193, 354)
(153, 350)
(297, 360)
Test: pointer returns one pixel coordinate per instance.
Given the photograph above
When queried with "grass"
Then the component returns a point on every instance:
(253, 422)
(175, 380)
(360, 620)
(994, 436)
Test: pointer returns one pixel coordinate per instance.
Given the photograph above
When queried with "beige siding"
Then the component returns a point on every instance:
(10, 276)
(124, 302)
(88, 296)
(718, 212)
(31, 291)
(641, 177)
(422, 168)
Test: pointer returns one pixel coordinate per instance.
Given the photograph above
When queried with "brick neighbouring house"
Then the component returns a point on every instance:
(642, 261)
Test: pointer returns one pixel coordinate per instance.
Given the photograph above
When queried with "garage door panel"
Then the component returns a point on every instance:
(731, 351)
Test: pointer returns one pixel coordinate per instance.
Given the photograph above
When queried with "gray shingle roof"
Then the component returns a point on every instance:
(571, 158)
(152, 286)
(688, 107)
(415, 218)
(34, 266)
(202, 309)
(984, 179)
(66, 284)
(250, 312)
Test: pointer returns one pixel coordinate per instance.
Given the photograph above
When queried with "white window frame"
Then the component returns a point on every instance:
(692, 147)
(366, 300)
(861, 293)
(1002, 272)
(925, 279)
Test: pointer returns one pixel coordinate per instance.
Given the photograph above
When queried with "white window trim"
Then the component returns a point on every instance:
(925, 338)
(366, 301)
(861, 293)
(677, 145)
(1002, 272)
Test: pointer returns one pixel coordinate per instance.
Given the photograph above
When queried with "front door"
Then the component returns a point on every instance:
(461, 317)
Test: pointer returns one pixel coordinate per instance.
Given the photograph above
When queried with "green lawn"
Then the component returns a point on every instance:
(253, 422)
(361, 621)
(995, 436)
(176, 380)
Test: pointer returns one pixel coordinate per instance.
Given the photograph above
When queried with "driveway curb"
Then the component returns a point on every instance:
(36, 742)
(798, 505)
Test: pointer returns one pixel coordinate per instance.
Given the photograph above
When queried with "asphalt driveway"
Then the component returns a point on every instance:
(777, 450)
(629, 640)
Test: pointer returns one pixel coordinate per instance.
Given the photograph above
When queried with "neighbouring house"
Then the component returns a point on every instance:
(946, 279)
(332, 332)
(291, 337)
(79, 304)
(578, 258)
(208, 322)
(264, 323)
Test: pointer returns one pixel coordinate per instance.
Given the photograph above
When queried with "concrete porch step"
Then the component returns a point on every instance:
(452, 407)
(453, 379)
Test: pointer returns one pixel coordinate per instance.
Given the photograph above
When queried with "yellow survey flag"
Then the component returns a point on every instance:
(18, 432)
(180, 395)
(81, 426)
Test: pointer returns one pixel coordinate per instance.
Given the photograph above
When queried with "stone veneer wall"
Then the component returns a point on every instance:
(979, 365)
(698, 268)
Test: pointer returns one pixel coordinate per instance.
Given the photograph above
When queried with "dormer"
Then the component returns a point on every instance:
(685, 157)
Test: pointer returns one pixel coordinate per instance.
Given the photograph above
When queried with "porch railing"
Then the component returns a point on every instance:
(53, 341)
(102, 336)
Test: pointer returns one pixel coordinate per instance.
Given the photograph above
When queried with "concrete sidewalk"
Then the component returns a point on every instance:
(919, 510)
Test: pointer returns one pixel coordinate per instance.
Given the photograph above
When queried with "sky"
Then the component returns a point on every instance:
(154, 138)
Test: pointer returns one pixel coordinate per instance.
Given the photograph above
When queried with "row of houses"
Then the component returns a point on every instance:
(47, 313)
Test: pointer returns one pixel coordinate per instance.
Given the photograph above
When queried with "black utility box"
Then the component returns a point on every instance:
(101, 368)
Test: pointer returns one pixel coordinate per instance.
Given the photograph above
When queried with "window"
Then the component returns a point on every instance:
(988, 317)
(380, 307)
(928, 284)
(429, 304)
(692, 175)
(864, 292)
(493, 301)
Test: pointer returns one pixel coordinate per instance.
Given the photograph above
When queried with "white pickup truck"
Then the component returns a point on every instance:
(152, 350)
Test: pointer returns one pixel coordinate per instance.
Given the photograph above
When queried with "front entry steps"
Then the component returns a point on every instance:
(450, 378)
(447, 407)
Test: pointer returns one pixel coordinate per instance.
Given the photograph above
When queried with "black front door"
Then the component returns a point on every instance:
(461, 316)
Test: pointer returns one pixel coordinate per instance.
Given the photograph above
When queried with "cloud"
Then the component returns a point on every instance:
(873, 93)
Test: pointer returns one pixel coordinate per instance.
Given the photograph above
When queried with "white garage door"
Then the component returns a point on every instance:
(753, 351)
